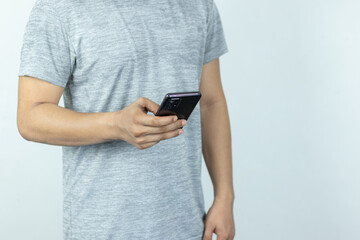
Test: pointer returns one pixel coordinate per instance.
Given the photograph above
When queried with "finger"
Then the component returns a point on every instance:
(208, 232)
(223, 234)
(148, 105)
(146, 145)
(156, 121)
(158, 137)
(147, 130)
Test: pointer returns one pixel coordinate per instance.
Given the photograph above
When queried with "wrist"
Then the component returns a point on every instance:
(112, 122)
(225, 197)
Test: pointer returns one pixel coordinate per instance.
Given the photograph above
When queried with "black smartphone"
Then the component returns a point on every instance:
(180, 104)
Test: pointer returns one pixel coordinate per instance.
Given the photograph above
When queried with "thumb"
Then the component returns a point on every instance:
(148, 105)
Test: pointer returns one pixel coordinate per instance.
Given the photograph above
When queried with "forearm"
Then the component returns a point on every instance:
(216, 145)
(52, 124)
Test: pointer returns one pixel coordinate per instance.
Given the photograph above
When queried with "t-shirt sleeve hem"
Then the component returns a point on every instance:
(42, 76)
(212, 55)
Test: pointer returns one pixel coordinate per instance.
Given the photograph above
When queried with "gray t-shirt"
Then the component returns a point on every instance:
(106, 54)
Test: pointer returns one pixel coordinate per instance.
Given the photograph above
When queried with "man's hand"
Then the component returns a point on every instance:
(220, 220)
(143, 130)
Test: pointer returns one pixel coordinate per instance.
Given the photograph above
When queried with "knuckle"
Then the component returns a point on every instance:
(176, 132)
(152, 121)
(141, 99)
(136, 119)
(139, 141)
(137, 132)
(155, 122)
(164, 129)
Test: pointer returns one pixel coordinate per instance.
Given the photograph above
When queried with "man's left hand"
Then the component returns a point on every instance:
(220, 220)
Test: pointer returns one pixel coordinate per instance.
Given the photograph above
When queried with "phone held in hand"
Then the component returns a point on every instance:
(180, 104)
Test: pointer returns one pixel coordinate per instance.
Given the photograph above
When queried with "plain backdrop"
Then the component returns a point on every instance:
(292, 82)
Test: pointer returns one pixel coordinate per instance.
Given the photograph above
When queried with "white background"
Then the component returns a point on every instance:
(292, 82)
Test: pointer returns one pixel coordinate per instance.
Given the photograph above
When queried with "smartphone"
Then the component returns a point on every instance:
(180, 104)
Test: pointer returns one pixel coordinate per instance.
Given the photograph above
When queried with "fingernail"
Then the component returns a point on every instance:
(181, 131)
(175, 118)
(183, 122)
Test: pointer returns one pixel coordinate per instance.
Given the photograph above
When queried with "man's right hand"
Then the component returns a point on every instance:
(143, 130)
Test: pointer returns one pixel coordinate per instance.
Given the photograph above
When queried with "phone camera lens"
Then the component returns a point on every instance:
(173, 103)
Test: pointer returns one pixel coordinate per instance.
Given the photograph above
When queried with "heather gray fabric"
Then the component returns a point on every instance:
(106, 54)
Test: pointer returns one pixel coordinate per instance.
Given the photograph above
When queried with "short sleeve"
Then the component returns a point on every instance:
(45, 52)
(215, 39)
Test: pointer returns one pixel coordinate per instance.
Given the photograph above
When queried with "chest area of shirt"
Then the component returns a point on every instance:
(118, 32)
